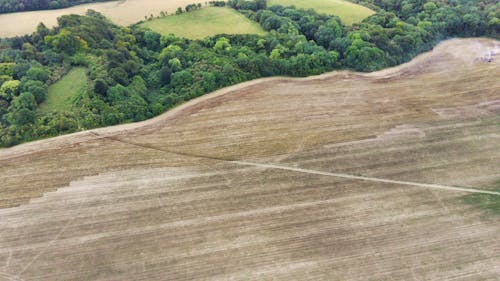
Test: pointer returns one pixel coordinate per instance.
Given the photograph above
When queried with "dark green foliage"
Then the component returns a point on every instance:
(38, 74)
(192, 7)
(37, 88)
(9, 6)
(253, 5)
(164, 75)
(7, 68)
(450, 17)
(217, 3)
(100, 87)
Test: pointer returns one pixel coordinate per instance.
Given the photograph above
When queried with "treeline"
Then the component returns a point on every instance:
(136, 73)
(399, 30)
(451, 17)
(10, 6)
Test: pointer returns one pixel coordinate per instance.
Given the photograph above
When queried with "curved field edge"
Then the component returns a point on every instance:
(397, 71)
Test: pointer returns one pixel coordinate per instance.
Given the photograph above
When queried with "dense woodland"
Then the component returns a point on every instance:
(135, 74)
(10, 6)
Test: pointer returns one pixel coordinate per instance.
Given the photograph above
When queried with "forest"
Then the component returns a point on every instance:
(135, 73)
(10, 6)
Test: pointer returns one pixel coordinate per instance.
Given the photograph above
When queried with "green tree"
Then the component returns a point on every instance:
(21, 117)
(9, 89)
(362, 55)
(164, 74)
(65, 41)
(222, 44)
(37, 88)
(175, 64)
(37, 73)
(327, 33)
(181, 79)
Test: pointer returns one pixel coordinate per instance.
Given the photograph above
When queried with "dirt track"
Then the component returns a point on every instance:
(106, 206)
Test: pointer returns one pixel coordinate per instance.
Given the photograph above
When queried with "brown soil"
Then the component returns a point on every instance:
(159, 200)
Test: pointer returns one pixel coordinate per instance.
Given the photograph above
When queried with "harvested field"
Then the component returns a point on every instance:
(123, 12)
(246, 183)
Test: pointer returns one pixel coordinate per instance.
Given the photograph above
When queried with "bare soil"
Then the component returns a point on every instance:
(165, 199)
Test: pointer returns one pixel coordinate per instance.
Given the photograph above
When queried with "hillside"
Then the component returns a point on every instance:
(277, 178)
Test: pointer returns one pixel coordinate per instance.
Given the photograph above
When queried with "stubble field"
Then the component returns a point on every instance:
(124, 12)
(323, 178)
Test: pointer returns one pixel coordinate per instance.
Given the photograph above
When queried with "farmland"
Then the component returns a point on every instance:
(131, 11)
(348, 12)
(120, 12)
(63, 91)
(277, 178)
(205, 22)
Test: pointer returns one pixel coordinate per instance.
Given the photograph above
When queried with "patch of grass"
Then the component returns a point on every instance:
(62, 93)
(348, 12)
(205, 22)
(488, 202)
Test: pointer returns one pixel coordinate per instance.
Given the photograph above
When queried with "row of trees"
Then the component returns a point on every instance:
(10, 6)
(135, 73)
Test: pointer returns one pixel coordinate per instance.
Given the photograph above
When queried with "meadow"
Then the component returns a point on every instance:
(61, 94)
(348, 12)
(120, 12)
(204, 22)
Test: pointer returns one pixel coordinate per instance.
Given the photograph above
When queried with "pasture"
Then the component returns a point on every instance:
(61, 94)
(347, 176)
(124, 12)
(205, 22)
(348, 12)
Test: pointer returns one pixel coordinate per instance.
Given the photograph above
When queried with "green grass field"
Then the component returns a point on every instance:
(348, 12)
(205, 22)
(61, 93)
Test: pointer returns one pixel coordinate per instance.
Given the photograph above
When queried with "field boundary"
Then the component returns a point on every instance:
(365, 178)
(78, 137)
(306, 171)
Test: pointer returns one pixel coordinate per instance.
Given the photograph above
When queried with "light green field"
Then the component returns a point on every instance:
(348, 12)
(205, 22)
(61, 93)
